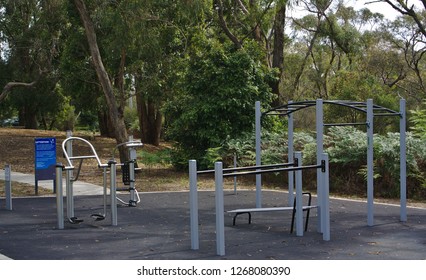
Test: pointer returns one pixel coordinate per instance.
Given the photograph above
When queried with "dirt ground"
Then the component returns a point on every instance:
(17, 149)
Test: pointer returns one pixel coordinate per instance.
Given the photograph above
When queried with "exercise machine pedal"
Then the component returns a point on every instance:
(98, 217)
(75, 220)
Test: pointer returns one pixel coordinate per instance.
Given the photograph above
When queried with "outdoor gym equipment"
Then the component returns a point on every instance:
(128, 169)
(298, 208)
(70, 178)
(371, 110)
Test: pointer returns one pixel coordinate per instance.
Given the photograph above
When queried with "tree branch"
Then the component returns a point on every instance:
(219, 7)
(9, 86)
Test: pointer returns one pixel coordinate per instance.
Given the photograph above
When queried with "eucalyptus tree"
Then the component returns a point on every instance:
(31, 40)
(261, 20)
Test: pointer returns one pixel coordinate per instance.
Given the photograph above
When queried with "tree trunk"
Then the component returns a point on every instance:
(278, 52)
(116, 115)
(150, 120)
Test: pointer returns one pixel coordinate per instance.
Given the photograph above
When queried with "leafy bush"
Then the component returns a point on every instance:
(347, 147)
(217, 100)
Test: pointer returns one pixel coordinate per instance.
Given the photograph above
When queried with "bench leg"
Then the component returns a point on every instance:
(237, 214)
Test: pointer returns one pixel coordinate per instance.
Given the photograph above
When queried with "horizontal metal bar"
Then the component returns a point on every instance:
(387, 114)
(247, 168)
(82, 157)
(344, 124)
(288, 169)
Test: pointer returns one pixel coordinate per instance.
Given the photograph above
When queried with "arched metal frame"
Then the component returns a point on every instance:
(371, 110)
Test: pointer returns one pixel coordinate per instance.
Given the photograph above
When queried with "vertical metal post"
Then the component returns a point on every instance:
(193, 205)
(290, 158)
(370, 165)
(299, 201)
(59, 197)
(113, 191)
(8, 186)
(325, 198)
(320, 150)
(220, 220)
(235, 177)
(403, 162)
(132, 156)
(69, 180)
(258, 115)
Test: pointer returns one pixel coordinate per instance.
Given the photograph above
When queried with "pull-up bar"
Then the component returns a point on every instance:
(371, 110)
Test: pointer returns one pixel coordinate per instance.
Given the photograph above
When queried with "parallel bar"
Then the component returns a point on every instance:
(370, 165)
(272, 170)
(403, 162)
(193, 205)
(344, 124)
(220, 220)
(386, 114)
(59, 198)
(254, 167)
(299, 202)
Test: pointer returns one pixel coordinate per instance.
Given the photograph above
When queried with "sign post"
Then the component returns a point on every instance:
(45, 161)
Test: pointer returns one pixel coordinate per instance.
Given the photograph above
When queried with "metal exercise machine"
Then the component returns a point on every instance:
(71, 178)
(128, 169)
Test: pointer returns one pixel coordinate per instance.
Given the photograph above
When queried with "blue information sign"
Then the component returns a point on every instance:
(44, 159)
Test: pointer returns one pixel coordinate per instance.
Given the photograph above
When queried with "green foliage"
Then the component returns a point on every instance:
(217, 101)
(418, 118)
(155, 158)
(347, 148)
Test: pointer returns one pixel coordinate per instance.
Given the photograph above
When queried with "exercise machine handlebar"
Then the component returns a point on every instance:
(71, 158)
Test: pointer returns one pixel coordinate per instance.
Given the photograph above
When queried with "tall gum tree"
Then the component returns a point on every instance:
(116, 115)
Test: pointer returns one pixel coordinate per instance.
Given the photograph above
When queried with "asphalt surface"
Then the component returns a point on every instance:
(158, 229)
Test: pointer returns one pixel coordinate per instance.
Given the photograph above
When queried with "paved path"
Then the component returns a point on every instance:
(80, 188)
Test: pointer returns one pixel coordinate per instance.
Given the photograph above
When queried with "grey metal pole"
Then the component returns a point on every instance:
(220, 220)
(326, 199)
(403, 162)
(69, 180)
(193, 205)
(320, 150)
(113, 191)
(370, 165)
(132, 156)
(59, 197)
(258, 133)
(235, 177)
(8, 186)
(290, 158)
(299, 202)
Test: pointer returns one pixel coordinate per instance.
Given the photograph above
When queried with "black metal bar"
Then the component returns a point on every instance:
(271, 170)
(344, 124)
(308, 210)
(247, 168)
(387, 114)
